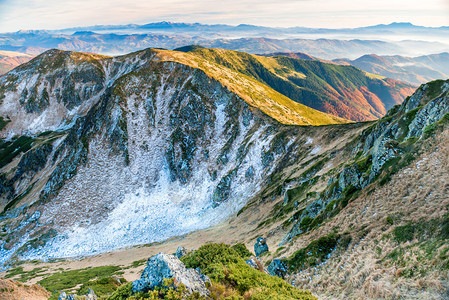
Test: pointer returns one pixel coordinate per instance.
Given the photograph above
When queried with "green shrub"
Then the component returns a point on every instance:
(101, 286)
(69, 279)
(389, 220)
(167, 291)
(9, 150)
(3, 123)
(228, 270)
(404, 233)
(242, 250)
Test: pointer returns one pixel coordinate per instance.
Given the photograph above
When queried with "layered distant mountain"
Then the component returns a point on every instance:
(394, 39)
(9, 60)
(414, 70)
(197, 29)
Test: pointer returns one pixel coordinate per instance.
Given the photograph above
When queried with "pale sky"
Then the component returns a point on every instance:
(58, 14)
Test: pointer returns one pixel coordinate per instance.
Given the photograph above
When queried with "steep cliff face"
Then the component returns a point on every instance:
(100, 153)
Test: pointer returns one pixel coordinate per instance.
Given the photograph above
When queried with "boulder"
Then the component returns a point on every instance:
(64, 296)
(260, 246)
(252, 263)
(277, 268)
(180, 252)
(91, 295)
(255, 263)
(165, 266)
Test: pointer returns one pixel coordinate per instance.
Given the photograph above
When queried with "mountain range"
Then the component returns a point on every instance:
(395, 28)
(114, 40)
(70, 105)
(9, 60)
(414, 70)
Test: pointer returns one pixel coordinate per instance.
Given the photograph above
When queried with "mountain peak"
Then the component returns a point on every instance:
(401, 24)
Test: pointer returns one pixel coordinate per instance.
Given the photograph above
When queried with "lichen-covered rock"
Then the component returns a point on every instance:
(277, 268)
(251, 262)
(260, 246)
(180, 252)
(255, 263)
(164, 266)
(91, 295)
(64, 296)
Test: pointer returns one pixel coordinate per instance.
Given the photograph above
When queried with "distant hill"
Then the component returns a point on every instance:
(9, 60)
(414, 70)
(115, 42)
(297, 55)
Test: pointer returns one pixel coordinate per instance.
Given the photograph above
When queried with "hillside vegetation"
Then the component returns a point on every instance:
(255, 92)
(343, 91)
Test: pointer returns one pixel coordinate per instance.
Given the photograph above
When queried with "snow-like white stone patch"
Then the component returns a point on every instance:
(315, 150)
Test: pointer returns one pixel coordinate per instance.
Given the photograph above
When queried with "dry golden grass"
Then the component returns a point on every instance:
(13, 290)
(416, 194)
(253, 92)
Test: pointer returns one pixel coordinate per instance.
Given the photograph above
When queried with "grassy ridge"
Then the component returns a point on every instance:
(255, 93)
(340, 90)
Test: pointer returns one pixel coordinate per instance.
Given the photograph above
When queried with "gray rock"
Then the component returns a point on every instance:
(255, 263)
(163, 266)
(205, 278)
(260, 246)
(180, 252)
(277, 268)
(252, 263)
(62, 296)
(91, 295)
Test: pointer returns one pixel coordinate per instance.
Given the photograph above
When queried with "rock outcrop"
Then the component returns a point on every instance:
(180, 252)
(260, 246)
(277, 268)
(164, 266)
(89, 296)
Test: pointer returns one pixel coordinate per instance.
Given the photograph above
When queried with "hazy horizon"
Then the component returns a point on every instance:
(54, 15)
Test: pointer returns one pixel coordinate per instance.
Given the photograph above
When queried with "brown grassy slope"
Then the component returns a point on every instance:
(13, 290)
(370, 269)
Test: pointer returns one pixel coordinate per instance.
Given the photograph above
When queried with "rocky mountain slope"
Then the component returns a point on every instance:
(92, 142)
(99, 153)
(414, 70)
(368, 220)
(342, 91)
